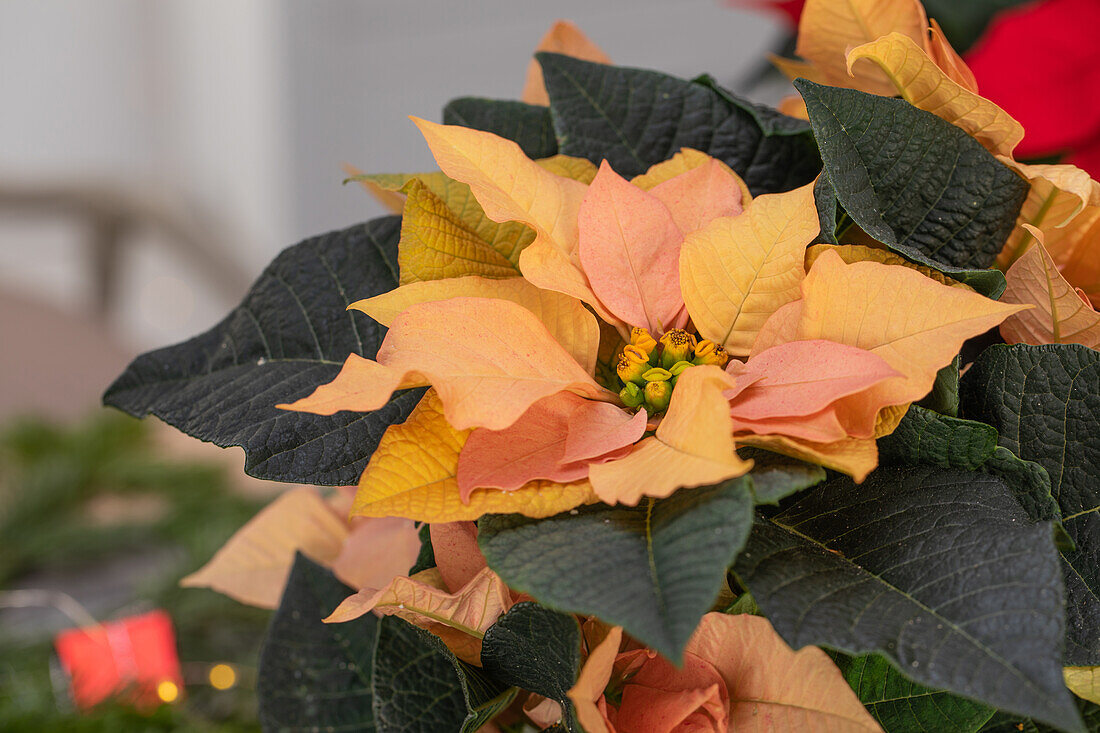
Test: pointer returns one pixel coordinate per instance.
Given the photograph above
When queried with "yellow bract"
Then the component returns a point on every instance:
(512, 187)
(577, 169)
(686, 160)
(829, 28)
(508, 185)
(851, 253)
(854, 456)
(436, 244)
(390, 200)
(509, 238)
(924, 85)
(412, 474)
(1083, 682)
(361, 385)
(592, 680)
(1059, 194)
(1060, 315)
(737, 271)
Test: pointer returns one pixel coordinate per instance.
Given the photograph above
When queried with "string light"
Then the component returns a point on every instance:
(222, 676)
(168, 691)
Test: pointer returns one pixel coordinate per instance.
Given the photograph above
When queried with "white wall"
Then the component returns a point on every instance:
(244, 111)
(358, 69)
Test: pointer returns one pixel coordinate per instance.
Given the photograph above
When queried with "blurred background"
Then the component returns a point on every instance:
(154, 157)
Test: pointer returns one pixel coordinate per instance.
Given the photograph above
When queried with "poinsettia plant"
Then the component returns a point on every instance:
(672, 412)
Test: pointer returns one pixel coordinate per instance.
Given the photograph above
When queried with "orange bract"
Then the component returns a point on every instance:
(412, 474)
(629, 246)
(459, 618)
(915, 324)
(1061, 315)
(693, 445)
(489, 360)
(557, 439)
(564, 38)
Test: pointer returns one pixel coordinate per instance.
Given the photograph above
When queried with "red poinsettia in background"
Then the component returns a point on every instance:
(1040, 61)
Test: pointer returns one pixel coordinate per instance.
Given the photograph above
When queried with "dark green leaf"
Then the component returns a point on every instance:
(1029, 482)
(485, 696)
(528, 125)
(426, 557)
(914, 182)
(827, 209)
(770, 121)
(654, 569)
(415, 686)
(635, 118)
(419, 685)
(538, 650)
(944, 397)
(314, 675)
(901, 705)
(926, 437)
(940, 571)
(775, 476)
(291, 334)
(1045, 403)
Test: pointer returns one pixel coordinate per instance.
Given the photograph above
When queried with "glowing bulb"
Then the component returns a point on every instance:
(168, 691)
(222, 676)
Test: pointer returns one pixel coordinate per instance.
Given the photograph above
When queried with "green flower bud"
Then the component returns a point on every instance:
(656, 374)
(678, 369)
(632, 364)
(657, 397)
(632, 396)
(679, 346)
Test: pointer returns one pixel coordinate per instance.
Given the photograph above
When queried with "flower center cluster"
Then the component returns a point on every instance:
(648, 368)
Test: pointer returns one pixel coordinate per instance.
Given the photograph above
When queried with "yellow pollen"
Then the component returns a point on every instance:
(678, 337)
